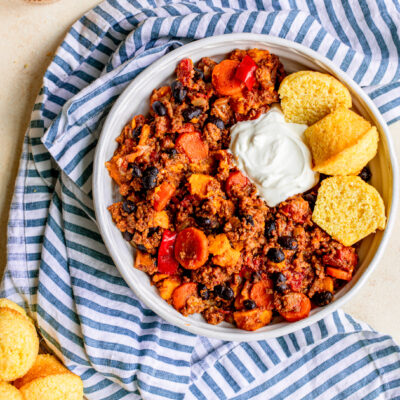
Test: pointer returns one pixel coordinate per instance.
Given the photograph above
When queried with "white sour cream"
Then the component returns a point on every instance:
(273, 154)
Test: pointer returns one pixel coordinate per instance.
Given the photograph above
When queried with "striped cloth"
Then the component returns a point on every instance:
(58, 266)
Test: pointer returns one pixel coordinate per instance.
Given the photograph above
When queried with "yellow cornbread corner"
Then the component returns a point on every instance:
(9, 392)
(48, 379)
(19, 344)
(348, 209)
(342, 143)
(308, 96)
(10, 304)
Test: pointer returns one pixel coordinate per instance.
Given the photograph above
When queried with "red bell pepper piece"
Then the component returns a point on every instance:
(245, 72)
(166, 261)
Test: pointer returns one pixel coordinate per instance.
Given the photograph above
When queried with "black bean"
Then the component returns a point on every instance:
(179, 92)
(129, 206)
(149, 180)
(159, 108)
(249, 219)
(141, 248)
(127, 236)
(278, 278)
(249, 304)
(198, 74)
(172, 152)
(275, 255)
(207, 223)
(280, 284)
(365, 174)
(225, 292)
(136, 171)
(287, 242)
(137, 131)
(203, 291)
(310, 198)
(282, 288)
(322, 298)
(270, 228)
(218, 290)
(154, 230)
(212, 119)
(191, 112)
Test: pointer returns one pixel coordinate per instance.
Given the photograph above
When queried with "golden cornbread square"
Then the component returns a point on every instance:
(341, 143)
(348, 209)
(308, 96)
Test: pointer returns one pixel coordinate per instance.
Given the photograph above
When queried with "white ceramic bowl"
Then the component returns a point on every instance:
(135, 99)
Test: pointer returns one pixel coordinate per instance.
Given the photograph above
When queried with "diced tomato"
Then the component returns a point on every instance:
(184, 71)
(166, 262)
(296, 209)
(245, 72)
(344, 258)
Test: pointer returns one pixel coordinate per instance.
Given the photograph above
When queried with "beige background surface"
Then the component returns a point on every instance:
(29, 36)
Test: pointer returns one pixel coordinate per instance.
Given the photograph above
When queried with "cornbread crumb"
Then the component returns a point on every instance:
(348, 209)
(19, 344)
(342, 143)
(10, 304)
(308, 96)
(9, 392)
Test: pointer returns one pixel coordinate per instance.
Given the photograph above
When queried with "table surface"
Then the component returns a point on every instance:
(30, 34)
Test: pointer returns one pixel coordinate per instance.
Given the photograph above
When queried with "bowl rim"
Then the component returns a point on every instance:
(236, 334)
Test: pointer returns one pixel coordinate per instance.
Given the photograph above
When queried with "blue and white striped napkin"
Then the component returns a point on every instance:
(58, 266)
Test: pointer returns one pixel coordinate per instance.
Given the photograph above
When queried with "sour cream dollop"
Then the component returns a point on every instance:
(273, 154)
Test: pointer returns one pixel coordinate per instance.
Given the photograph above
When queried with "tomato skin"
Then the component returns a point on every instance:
(344, 258)
(184, 71)
(166, 262)
(245, 72)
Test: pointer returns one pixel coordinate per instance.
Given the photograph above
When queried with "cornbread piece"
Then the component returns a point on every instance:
(44, 365)
(9, 392)
(10, 304)
(342, 143)
(54, 387)
(308, 96)
(19, 344)
(48, 379)
(348, 209)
